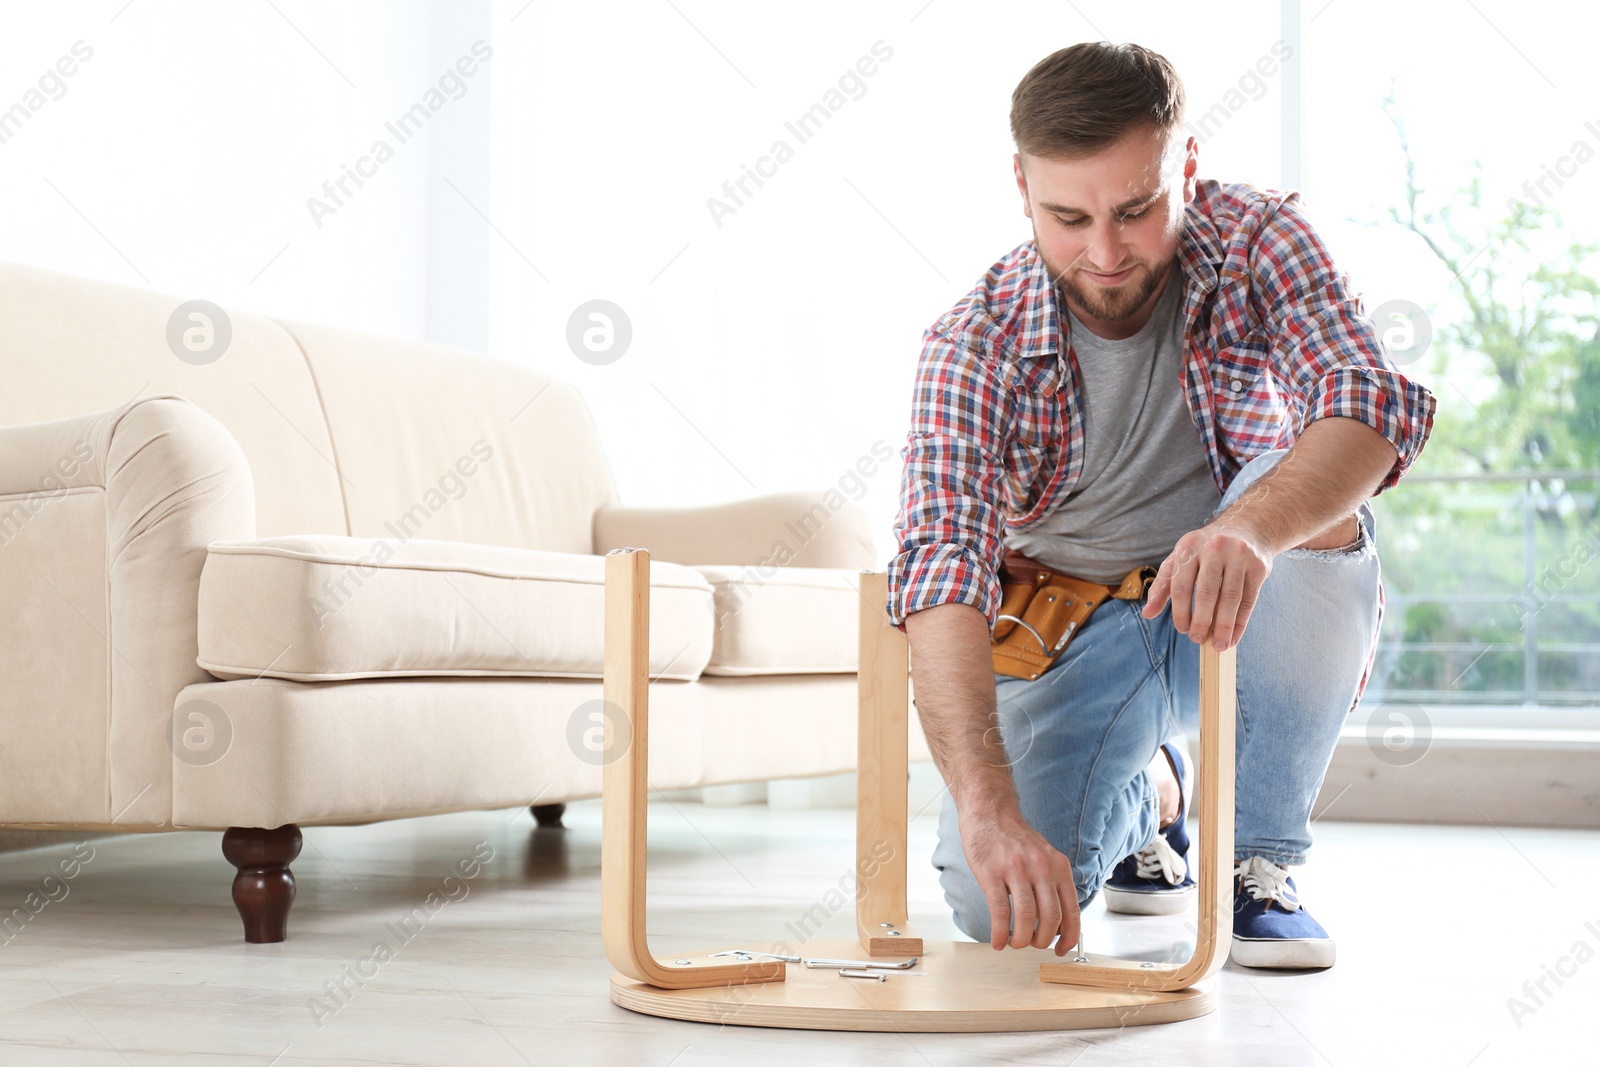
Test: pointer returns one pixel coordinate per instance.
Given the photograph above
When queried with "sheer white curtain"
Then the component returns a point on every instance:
(190, 143)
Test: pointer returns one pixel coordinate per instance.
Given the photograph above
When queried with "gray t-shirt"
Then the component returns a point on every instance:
(1145, 480)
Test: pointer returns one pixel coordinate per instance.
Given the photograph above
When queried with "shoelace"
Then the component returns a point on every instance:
(1161, 860)
(1265, 880)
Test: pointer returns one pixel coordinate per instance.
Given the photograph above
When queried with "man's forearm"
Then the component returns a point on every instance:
(952, 674)
(1335, 464)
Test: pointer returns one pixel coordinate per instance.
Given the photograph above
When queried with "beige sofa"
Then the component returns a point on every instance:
(263, 574)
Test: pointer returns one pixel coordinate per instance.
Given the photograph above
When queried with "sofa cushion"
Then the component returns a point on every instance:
(326, 608)
(480, 468)
(784, 620)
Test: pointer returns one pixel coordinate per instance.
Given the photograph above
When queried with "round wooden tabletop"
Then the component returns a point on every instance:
(955, 987)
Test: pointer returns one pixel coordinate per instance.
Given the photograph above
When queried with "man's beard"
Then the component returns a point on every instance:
(1116, 303)
(1106, 303)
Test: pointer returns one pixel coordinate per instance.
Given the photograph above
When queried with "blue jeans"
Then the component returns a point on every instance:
(1081, 736)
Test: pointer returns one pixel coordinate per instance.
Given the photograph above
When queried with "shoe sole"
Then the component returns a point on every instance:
(1279, 954)
(1148, 902)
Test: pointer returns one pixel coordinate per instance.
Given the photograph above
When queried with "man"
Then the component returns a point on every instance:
(1173, 372)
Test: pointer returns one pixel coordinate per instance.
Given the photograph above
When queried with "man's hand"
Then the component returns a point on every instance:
(1009, 858)
(1222, 566)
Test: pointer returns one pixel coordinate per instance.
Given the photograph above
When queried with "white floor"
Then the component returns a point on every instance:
(138, 958)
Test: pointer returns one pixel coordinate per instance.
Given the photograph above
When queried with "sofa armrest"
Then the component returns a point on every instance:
(104, 522)
(791, 529)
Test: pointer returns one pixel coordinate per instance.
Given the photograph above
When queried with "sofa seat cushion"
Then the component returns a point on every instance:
(784, 620)
(326, 608)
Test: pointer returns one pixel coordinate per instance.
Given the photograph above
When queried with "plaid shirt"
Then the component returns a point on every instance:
(1274, 338)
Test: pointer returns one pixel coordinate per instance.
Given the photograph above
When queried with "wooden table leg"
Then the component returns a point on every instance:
(625, 784)
(1213, 873)
(882, 770)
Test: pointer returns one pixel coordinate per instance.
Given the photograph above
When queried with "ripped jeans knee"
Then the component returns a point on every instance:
(1362, 547)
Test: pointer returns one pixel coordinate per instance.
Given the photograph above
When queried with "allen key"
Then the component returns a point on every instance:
(865, 965)
(816, 962)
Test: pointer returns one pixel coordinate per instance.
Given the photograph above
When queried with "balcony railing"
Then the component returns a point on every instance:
(1492, 587)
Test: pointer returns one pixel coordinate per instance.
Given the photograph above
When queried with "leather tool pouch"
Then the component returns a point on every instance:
(1042, 609)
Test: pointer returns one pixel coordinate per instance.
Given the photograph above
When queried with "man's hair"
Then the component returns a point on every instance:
(1079, 100)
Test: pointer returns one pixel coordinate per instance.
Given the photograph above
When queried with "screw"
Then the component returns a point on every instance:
(1147, 965)
(886, 924)
(894, 933)
(845, 972)
(683, 961)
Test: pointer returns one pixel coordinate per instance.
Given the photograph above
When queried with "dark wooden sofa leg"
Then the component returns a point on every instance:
(263, 889)
(548, 814)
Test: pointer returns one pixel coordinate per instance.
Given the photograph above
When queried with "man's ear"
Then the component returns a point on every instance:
(1191, 169)
(1022, 184)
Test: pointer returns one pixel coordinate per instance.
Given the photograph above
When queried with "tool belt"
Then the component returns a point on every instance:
(1041, 609)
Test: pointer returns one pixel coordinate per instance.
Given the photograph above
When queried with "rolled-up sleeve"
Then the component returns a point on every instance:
(1334, 356)
(949, 528)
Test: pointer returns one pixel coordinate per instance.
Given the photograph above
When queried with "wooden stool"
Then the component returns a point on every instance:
(955, 986)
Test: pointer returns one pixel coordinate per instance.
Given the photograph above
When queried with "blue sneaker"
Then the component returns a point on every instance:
(1155, 880)
(1270, 928)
